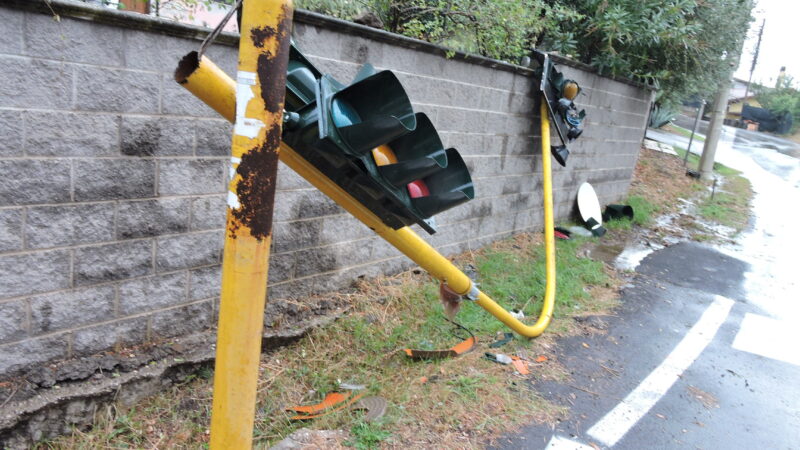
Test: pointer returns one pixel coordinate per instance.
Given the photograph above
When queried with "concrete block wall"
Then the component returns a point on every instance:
(112, 178)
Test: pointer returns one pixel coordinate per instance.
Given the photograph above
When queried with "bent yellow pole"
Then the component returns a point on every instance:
(258, 104)
(221, 91)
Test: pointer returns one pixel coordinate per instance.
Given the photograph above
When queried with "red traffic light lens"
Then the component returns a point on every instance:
(417, 189)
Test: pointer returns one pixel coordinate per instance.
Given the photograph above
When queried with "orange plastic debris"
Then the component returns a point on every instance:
(520, 365)
(327, 411)
(456, 350)
(332, 399)
(541, 358)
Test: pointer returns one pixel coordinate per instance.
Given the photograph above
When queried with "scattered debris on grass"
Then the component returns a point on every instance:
(454, 402)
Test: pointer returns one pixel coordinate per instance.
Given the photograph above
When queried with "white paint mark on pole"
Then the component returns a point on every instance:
(245, 126)
(234, 163)
(769, 338)
(233, 200)
(562, 443)
(613, 426)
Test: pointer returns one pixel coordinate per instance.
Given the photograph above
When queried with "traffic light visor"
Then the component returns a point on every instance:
(371, 112)
(448, 187)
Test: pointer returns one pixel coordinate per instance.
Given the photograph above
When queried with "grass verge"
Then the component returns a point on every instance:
(458, 402)
(730, 203)
(672, 128)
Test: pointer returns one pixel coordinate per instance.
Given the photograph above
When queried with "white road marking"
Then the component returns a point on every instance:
(613, 426)
(562, 443)
(768, 337)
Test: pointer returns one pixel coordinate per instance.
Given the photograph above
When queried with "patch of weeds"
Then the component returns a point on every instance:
(623, 224)
(643, 210)
(451, 403)
(367, 436)
(730, 205)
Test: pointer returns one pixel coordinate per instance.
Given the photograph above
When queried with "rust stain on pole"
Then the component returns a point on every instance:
(259, 165)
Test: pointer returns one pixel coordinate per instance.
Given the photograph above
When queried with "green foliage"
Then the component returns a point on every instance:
(661, 116)
(676, 45)
(643, 210)
(783, 99)
(367, 435)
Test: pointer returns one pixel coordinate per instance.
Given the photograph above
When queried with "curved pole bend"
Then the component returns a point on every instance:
(204, 79)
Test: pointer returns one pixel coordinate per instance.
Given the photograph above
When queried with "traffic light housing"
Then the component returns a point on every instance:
(366, 137)
(559, 93)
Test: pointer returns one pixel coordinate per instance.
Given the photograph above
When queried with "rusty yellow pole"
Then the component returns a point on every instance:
(260, 87)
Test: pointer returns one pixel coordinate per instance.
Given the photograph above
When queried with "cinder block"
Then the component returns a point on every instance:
(152, 217)
(25, 182)
(415, 87)
(317, 41)
(111, 262)
(70, 309)
(113, 90)
(34, 82)
(183, 320)
(157, 136)
(292, 205)
(359, 50)
(147, 294)
(73, 40)
(13, 320)
(281, 267)
(191, 250)
(11, 131)
(205, 282)
(342, 71)
(288, 179)
(494, 123)
(334, 257)
(213, 138)
(145, 50)
(209, 213)
(441, 92)
(450, 119)
(69, 134)
(494, 99)
(468, 96)
(18, 357)
(11, 38)
(55, 226)
(108, 336)
(111, 179)
(10, 229)
(188, 177)
(33, 273)
(431, 65)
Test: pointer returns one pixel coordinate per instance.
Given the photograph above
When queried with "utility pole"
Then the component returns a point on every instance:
(715, 128)
(755, 60)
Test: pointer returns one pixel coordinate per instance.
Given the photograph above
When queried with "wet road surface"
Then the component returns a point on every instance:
(704, 351)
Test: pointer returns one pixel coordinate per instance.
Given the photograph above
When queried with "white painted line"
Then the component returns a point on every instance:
(562, 443)
(613, 426)
(768, 337)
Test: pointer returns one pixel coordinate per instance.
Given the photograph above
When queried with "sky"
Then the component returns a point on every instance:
(777, 45)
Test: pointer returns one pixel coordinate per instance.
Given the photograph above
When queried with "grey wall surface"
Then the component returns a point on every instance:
(112, 177)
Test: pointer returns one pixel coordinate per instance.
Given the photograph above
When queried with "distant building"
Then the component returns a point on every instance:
(738, 96)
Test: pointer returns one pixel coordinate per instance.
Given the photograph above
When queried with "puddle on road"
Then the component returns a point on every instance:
(621, 256)
(631, 257)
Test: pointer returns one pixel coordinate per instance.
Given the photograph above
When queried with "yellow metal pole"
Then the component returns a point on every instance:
(258, 100)
(405, 239)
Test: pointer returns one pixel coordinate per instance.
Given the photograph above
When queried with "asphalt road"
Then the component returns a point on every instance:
(705, 350)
